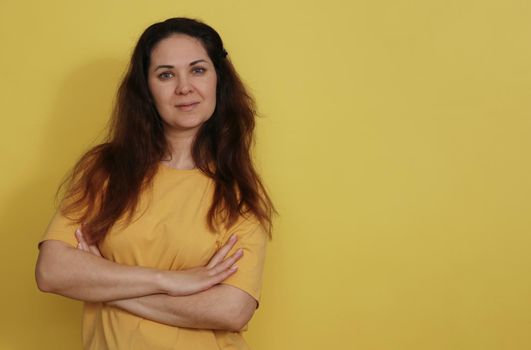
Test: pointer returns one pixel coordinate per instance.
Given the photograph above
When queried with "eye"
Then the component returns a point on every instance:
(199, 70)
(165, 75)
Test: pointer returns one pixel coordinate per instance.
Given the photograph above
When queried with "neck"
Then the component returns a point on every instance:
(180, 150)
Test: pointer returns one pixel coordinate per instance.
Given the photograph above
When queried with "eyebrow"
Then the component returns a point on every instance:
(170, 66)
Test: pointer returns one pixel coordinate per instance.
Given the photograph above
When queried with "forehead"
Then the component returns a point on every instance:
(178, 49)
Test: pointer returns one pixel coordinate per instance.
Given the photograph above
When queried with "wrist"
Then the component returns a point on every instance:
(111, 303)
(160, 281)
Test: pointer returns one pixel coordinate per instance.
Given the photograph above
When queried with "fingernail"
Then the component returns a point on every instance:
(233, 237)
(234, 267)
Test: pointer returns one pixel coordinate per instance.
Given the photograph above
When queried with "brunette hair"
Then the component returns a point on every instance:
(107, 181)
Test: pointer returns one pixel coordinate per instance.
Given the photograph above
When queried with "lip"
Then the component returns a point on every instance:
(187, 107)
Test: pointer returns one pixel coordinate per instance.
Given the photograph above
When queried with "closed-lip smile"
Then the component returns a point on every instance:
(187, 107)
(186, 104)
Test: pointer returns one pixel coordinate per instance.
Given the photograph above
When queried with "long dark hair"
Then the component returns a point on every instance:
(107, 181)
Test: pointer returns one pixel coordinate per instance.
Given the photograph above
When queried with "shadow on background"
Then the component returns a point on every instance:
(84, 102)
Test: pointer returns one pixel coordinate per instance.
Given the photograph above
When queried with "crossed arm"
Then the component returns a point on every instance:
(190, 298)
(220, 307)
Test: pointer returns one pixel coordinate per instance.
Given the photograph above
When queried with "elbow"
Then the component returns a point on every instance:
(44, 277)
(237, 326)
(239, 318)
(233, 325)
(44, 271)
(41, 277)
(238, 309)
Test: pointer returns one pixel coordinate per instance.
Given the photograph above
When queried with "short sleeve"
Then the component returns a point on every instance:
(252, 238)
(60, 228)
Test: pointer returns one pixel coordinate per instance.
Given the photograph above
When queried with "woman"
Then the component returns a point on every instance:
(162, 231)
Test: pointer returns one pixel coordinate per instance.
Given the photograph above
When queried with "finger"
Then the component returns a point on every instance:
(95, 250)
(81, 239)
(222, 252)
(82, 244)
(79, 235)
(224, 275)
(227, 263)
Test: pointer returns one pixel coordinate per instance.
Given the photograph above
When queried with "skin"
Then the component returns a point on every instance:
(180, 72)
(220, 307)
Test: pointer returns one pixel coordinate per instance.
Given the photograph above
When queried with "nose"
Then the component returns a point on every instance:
(183, 87)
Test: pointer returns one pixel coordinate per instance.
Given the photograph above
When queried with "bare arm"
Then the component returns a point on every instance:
(77, 274)
(83, 275)
(221, 307)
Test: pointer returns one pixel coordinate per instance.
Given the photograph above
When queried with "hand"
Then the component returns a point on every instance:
(197, 279)
(83, 245)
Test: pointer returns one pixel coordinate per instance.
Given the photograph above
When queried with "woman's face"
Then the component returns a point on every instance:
(182, 81)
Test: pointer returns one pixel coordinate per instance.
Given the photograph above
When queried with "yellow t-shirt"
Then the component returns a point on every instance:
(168, 232)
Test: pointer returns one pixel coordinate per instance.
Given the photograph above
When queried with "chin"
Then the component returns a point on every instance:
(185, 125)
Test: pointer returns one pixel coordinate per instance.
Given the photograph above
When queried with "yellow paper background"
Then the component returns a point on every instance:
(395, 140)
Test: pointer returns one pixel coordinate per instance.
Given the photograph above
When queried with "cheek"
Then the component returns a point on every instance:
(159, 95)
(212, 90)
(209, 93)
(154, 92)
